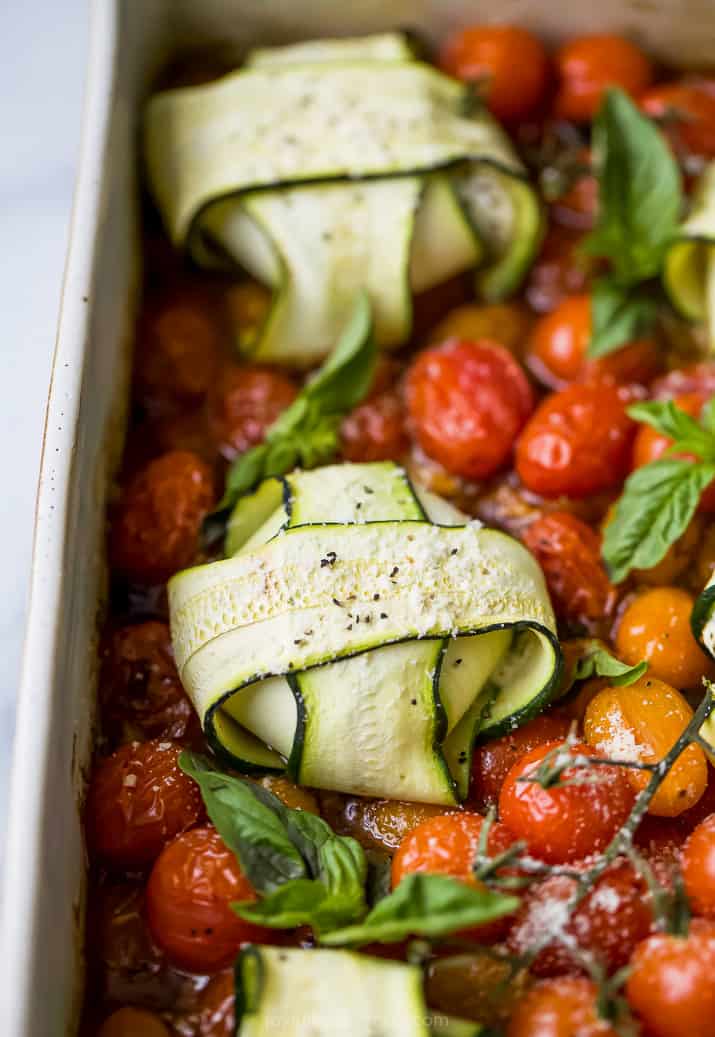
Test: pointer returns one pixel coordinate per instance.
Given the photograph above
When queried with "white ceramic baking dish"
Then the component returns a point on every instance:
(41, 935)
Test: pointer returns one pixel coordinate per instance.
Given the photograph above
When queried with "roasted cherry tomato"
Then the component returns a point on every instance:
(565, 822)
(577, 442)
(375, 430)
(507, 323)
(588, 65)
(377, 824)
(492, 761)
(698, 864)
(138, 800)
(649, 445)
(559, 343)
(294, 796)
(578, 207)
(671, 985)
(133, 1022)
(467, 403)
(448, 845)
(561, 270)
(474, 985)
(243, 403)
(156, 526)
(680, 557)
(686, 114)
(508, 63)
(569, 553)
(140, 690)
(641, 722)
(191, 887)
(656, 627)
(564, 1007)
(608, 923)
(693, 378)
(216, 1007)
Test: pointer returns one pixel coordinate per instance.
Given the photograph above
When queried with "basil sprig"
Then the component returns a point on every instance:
(639, 204)
(589, 657)
(660, 499)
(306, 433)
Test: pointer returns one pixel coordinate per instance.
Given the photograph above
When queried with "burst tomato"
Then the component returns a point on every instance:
(375, 430)
(216, 1008)
(243, 403)
(588, 65)
(377, 824)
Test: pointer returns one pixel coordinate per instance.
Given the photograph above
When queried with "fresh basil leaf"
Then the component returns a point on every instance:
(639, 190)
(597, 661)
(347, 374)
(689, 437)
(426, 905)
(657, 503)
(619, 314)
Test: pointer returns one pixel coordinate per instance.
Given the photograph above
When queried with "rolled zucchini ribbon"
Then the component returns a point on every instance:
(327, 169)
(363, 635)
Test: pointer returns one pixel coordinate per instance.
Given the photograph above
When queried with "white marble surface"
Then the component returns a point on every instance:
(43, 48)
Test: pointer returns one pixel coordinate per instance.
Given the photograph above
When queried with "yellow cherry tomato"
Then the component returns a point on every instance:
(656, 627)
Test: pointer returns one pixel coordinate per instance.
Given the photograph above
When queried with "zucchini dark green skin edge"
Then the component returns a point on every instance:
(246, 998)
(702, 612)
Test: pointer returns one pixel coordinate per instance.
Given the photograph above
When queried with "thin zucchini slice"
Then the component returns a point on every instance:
(385, 46)
(689, 270)
(365, 645)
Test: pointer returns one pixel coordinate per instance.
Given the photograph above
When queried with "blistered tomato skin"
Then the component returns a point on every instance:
(656, 627)
(563, 1007)
(609, 923)
(375, 430)
(641, 722)
(492, 761)
(467, 402)
(588, 65)
(156, 526)
(564, 823)
(216, 1009)
(577, 442)
(509, 64)
(686, 113)
(138, 800)
(133, 1022)
(569, 553)
(243, 403)
(140, 690)
(671, 986)
(191, 887)
(698, 866)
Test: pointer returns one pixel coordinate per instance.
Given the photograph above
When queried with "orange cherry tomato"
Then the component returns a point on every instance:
(377, 824)
(649, 444)
(296, 797)
(588, 65)
(138, 800)
(191, 888)
(467, 403)
(608, 924)
(561, 270)
(641, 722)
(577, 442)
(216, 1007)
(133, 1022)
(509, 62)
(569, 553)
(686, 113)
(492, 761)
(558, 346)
(156, 526)
(375, 430)
(507, 323)
(565, 822)
(671, 986)
(698, 865)
(656, 627)
(563, 1007)
(243, 402)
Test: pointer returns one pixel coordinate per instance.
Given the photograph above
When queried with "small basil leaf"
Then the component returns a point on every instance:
(597, 661)
(707, 416)
(671, 421)
(619, 314)
(657, 503)
(347, 374)
(426, 905)
(639, 190)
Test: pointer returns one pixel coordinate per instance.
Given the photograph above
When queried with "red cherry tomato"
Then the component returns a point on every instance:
(141, 693)
(492, 761)
(510, 63)
(138, 800)
(447, 845)
(686, 113)
(191, 887)
(569, 822)
(577, 442)
(588, 65)
(156, 526)
(569, 553)
(243, 403)
(561, 270)
(467, 403)
(698, 864)
(559, 343)
(375, 430)
(699, 378)
(671, 986)
(565, 1007)
(649, 445)
(216, 1011)
(609, 923)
